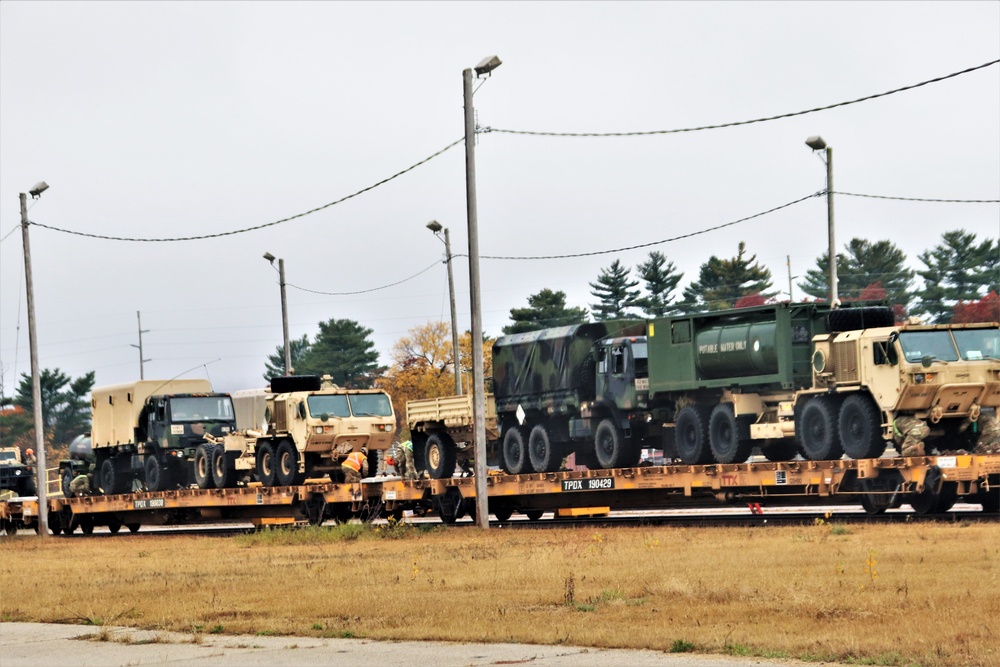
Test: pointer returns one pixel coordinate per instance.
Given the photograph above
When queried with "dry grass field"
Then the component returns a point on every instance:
(872, 594)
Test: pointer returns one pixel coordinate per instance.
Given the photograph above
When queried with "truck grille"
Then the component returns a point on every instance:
(845, 361)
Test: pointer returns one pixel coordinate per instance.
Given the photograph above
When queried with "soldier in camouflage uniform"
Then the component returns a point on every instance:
(80, 486)
(404, 462)
(989, 435)
(355, 467)
(908, 434)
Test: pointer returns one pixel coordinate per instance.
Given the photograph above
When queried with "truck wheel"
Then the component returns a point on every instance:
(157, 474)
(440, 456)
(67, 478)
(818, 423)
(515, 452)
(223, 471)
(286, 464)
(724, 436)
(266, 464)
(610, 445)
(691, 436)
(542, 452)
(203, 466)
(110, 481)
(861, 428)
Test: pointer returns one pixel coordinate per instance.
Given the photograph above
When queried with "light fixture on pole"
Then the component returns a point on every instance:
(41, 479)
(817, 144)
(486, 66)
(436, 227)
(284, 312)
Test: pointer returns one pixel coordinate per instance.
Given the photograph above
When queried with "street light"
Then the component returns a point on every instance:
(41, 479)
(436, 227)
(817, 144)
(284, 311)
(486, 66)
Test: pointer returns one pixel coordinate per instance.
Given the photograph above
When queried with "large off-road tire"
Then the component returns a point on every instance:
(67, 479)
(223, 470)
(542, 452)
(111, 480)
(157, 474)
(286, 464)
(724, 436)
(817, 427)
(440, 456)
(203, 466)
(610, 446)
(860, 426)
(266, 464)
(515, 452)
(691, 436)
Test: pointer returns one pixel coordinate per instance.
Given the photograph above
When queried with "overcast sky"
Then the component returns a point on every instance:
(155, 120)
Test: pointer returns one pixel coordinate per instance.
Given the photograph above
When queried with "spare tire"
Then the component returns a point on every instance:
(854, 319)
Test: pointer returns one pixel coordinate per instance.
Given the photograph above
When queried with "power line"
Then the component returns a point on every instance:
(742, 122)
(652, 243)
(250, 229)
(946, 201)
(365, 291)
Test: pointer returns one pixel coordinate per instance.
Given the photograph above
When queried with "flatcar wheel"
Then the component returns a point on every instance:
(87, 525)
(534, 515)
(132, 527)
(114, 527)
(818, 423)
(503, 514)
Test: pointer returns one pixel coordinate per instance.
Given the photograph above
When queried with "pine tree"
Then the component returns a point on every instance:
(275, 365)
(661, 278)
(722, 282)
(864, 264)
(342, 349)
(615, 292)
(958, 269)
(545, 309)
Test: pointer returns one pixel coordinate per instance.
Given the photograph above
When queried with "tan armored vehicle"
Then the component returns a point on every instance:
(304, 427)
(443, 433)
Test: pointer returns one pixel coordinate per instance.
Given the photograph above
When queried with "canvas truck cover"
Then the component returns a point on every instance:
(115, 409)
(251, 409)
(535, 368)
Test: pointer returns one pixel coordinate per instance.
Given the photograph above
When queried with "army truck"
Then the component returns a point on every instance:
(145, 434)
(303, 427)
(443, 434)
(16, 478)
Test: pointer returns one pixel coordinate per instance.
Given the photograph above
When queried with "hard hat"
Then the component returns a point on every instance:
(30, 452)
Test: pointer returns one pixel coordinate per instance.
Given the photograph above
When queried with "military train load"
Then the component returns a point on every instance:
(789, 379)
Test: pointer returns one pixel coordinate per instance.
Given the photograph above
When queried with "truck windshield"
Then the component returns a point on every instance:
(331, 405)
(371, 405)
(975, 344)
(8, 456)
(935, 344)
(201, 408)
(641, 355)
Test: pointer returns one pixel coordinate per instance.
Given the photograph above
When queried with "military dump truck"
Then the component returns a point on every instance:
(16, 478)
(443, 434)
(304, 427)
(145, 433)
(787, 378)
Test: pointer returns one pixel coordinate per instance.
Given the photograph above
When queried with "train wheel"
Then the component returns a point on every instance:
(724, 436)
(779, 450)
(203, 466)
(503, 514)
(515, 452)
(990, 501)
(223, 471)
(534, 515)
(87, 525)
(542, 451)
(114, 527)
(287, 464)
(818, 423)
(265, 464)
(440, 456)
(861, 428)
(10, 527)
(132, 527)
(691, 436)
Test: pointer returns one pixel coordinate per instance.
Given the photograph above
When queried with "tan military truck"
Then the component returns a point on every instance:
(145, 434)
(16, 477)
(443, 434)
(303, 427)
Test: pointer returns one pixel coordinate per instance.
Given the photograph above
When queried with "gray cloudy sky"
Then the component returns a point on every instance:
(158, 120)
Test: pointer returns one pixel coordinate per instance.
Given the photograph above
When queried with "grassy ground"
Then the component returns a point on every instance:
(874, 595)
